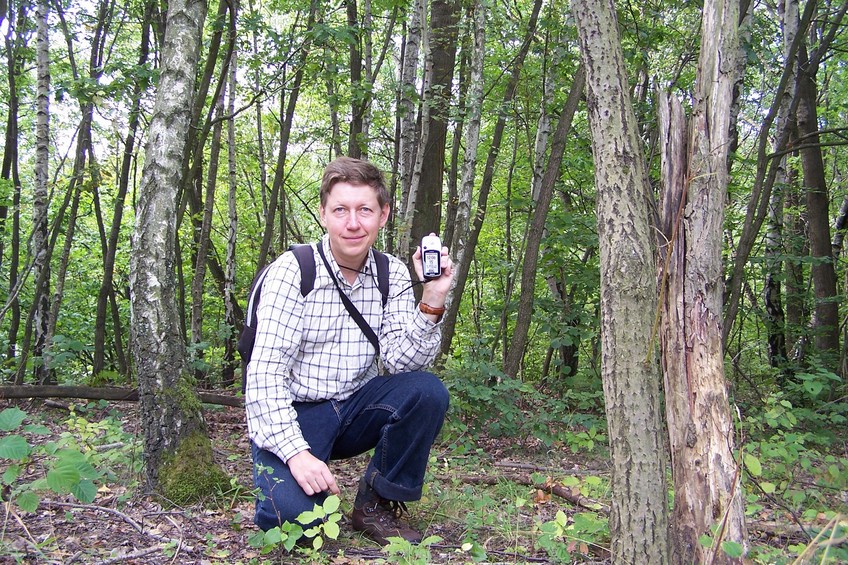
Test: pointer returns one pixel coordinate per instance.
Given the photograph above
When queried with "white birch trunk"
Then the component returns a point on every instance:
(473, 110)
(41, 196)
(158, 346)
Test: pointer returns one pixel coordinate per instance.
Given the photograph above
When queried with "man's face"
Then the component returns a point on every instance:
(353, 218)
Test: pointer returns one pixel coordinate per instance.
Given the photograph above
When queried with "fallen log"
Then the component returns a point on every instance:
(102, 393)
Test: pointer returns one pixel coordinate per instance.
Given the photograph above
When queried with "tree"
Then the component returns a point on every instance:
(705, 469)
(170, 411)
(41, 202)
(638, 516)
(444, 18)
(536, 230)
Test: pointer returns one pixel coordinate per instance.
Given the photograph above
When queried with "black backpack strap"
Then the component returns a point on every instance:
(306, 259)
(382, 261)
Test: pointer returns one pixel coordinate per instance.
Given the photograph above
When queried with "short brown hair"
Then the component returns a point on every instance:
(356, 172)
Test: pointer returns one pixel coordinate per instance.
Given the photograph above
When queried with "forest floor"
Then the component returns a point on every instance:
(485, 500)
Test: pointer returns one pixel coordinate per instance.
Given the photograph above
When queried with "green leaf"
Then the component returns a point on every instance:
(62, 477)
(11, 474)
(705, 541)
(733, 549)
(768, 488)
(85, 491)
(332, 530)
(28, 501)
(331, 504)
(256, 540)
(752, 464)
(14, 447)
(11, 418)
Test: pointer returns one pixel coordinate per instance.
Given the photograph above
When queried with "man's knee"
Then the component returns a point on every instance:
(277, 506)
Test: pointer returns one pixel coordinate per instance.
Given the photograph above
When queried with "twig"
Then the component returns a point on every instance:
(135, 525)
(180, 542)
(567, 494)
(541, 469)
(133, 555)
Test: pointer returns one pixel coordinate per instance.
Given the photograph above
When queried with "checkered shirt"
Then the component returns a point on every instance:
(310, 348)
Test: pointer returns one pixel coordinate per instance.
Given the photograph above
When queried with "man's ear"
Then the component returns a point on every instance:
(321, 216)
(384, 215)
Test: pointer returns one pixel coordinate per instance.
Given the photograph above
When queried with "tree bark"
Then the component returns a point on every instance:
(705, 472)
(106, 294)
(427, 214)
(230, 361)
(825, 323)
(15, 44)
(638, 518)
(41, 199)
(169, 410)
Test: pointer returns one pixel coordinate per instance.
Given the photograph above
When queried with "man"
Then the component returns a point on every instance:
(313, 389)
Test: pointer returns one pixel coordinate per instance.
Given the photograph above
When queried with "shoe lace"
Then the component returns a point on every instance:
(396, 508)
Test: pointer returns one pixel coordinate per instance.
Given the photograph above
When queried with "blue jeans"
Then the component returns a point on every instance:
(399, 416)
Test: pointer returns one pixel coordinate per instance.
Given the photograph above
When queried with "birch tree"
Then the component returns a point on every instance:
(41, 198)
(170, 411)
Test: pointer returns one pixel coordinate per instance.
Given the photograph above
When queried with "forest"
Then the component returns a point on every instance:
(646, 342)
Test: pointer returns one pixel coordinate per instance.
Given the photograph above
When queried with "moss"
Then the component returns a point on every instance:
(185, 394)
(190, 474)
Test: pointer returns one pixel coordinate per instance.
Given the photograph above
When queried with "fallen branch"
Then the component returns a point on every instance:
(102, 393)
(134, 555)
(572, 495)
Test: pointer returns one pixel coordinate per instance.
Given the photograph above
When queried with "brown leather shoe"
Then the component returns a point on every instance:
(380, 519)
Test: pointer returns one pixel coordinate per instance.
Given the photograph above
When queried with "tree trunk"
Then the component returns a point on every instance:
(426, 218)
(15, 44)
(825, 326)
(354, 145)
(204, 242)
(638, 517)
(407, 102)
(287, 115)
(705, 472)
(775, 319)
(473, 110)
(169, 410)
(41, 200)
(537, 226)
(106, 294)
(230, 361)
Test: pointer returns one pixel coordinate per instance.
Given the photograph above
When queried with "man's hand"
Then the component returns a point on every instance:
(312, 474)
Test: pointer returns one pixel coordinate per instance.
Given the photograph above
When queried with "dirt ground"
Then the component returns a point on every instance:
(125, 526)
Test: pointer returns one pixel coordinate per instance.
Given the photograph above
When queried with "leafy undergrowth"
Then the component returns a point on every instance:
(489, 500)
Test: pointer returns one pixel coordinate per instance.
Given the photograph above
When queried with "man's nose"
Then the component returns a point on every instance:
(353, 220)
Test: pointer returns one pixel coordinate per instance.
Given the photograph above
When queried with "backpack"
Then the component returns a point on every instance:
(306, 259)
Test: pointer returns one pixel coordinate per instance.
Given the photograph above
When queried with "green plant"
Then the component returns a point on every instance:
(563, 536)
(326, 517)
(68, 464)
(403, 552)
